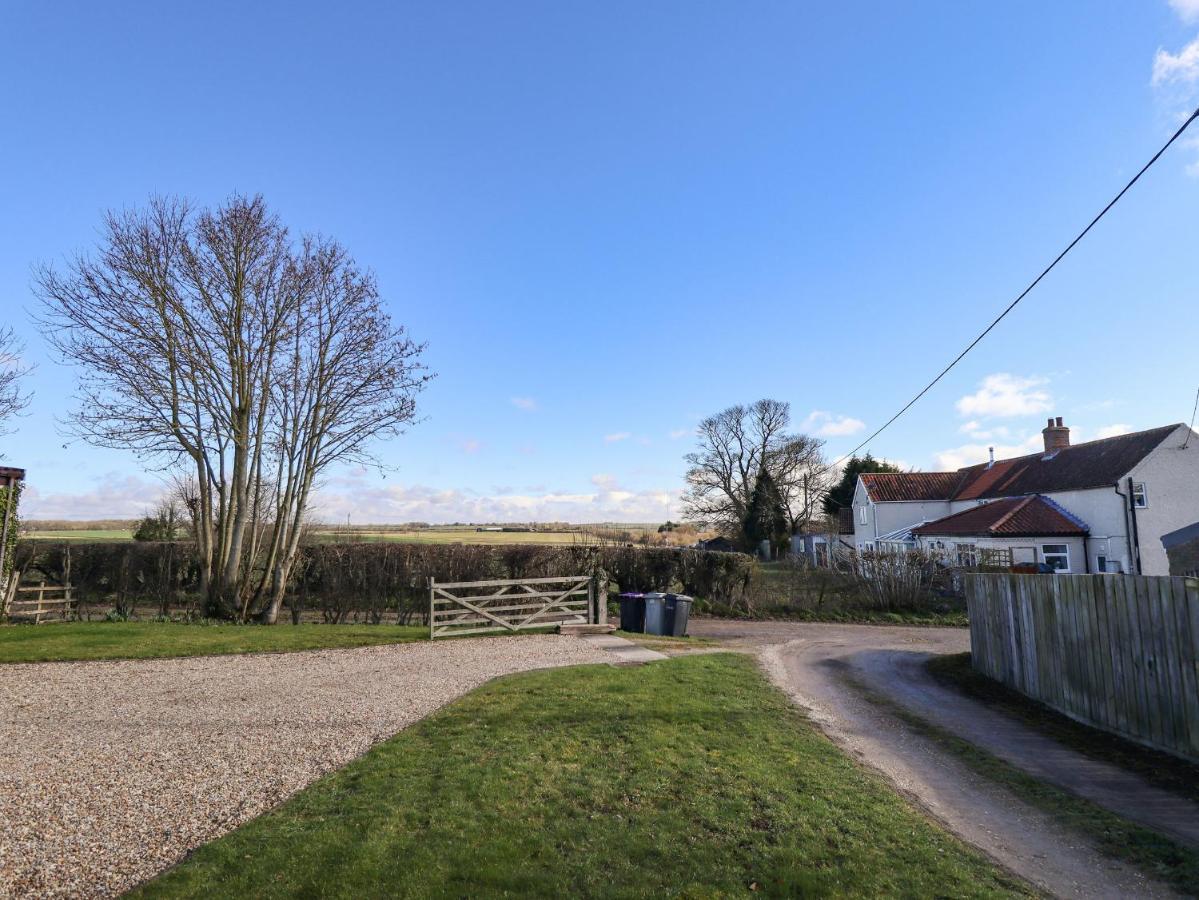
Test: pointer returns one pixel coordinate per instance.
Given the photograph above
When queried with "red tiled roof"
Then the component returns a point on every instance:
(1032, 516)
(890, 486)
(1092, 464)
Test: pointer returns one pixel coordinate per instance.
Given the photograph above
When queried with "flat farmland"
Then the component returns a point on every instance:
(80, 534)
(465, 535)
(456, 536)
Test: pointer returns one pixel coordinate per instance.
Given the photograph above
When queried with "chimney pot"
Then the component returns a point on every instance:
(1059, 421)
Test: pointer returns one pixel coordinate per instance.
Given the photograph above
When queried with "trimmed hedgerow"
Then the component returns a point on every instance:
(377, 581)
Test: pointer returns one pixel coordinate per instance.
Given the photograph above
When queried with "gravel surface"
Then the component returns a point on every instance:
(111, 772)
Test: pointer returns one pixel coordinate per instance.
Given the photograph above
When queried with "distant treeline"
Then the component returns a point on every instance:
(376, 581)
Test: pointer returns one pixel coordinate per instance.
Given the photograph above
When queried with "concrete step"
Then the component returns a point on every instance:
(585, 628)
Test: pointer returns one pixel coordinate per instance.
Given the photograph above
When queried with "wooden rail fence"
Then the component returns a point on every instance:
(50, 600)
(1120, 652)
(476, 607)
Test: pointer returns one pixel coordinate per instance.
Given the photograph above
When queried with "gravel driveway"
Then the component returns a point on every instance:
(112, 771)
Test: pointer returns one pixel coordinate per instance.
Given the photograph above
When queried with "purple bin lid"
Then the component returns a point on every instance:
(632, 596)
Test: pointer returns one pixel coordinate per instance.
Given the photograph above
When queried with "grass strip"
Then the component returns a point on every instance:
(691, 777)
(57, 642)
(1154, 854)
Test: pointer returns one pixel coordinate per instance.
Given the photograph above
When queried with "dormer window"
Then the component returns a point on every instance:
(1140, 498)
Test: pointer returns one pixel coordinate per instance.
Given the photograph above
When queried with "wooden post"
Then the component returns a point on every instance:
(41, 591)
(10, 594)
(599, 588)
(593, 600)
(431, 583)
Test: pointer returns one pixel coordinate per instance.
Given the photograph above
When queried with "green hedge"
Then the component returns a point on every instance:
(10, 495)
(376, 580)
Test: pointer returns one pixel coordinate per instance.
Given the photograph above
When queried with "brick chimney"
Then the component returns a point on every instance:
(1056, 435)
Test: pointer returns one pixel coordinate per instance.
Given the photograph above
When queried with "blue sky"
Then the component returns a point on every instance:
(611, 219)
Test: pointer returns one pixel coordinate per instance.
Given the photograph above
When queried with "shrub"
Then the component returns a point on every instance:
(368, 581)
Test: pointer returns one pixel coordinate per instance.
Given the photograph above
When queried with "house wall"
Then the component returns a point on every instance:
(950, 543)
(1171, 477)
(1102, 509)
(883, 518)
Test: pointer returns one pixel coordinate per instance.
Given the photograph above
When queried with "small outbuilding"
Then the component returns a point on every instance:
(718, 544)
(1028, 530)
(1182, 549)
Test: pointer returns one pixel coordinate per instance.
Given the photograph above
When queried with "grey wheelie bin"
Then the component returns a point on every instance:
(678, 610)
(655, 613)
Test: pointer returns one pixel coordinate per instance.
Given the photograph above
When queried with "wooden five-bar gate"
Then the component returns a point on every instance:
(476, 607)
(36, 602)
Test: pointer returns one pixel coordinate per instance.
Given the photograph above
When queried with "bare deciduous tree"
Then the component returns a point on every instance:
(12, 371)
(212, 342)
(733, 446)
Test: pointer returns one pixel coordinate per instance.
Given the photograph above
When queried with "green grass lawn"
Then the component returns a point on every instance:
(690, 777)
(150, 640)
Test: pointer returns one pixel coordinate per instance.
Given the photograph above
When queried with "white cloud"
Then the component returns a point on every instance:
(979, 432)
(1181, 67)
(617, 436)
(113, 497)
(824, 424)
(528, 404)
(680, 433)
(608, 502)
(969, 454)
(1112, 430)
(1003, 394)
(1188, 10)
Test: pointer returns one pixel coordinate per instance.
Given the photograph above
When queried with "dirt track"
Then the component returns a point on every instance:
(811, 662)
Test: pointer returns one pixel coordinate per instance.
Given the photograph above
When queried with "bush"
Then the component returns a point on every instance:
(371, 581)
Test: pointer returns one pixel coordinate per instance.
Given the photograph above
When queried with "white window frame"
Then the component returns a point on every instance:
(862, 519)
(1064, 553)
(1140, 496)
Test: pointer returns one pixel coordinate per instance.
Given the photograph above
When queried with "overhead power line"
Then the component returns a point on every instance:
(1024, 293)
(1194, 412)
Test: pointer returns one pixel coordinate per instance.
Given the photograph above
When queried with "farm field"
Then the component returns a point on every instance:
(457, 536)
(449, 535)
(80, 534)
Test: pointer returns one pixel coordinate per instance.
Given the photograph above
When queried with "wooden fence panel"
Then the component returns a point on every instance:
(1120, 652)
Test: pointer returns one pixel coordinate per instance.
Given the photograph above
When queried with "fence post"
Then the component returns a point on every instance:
(592, 600)
(431, 582)
(601, 599)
